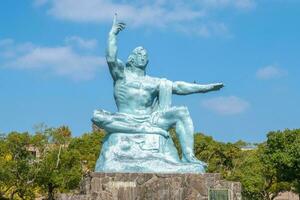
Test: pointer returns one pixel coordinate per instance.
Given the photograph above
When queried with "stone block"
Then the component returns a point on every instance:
(154, 186)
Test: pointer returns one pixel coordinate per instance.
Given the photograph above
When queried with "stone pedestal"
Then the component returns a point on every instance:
(149, 186)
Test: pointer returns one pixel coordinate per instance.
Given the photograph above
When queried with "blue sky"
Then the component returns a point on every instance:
(53, 71)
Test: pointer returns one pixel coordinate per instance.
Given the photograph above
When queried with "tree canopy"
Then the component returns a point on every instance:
(51, 161)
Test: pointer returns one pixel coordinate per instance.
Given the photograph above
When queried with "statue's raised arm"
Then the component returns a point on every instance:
(116, 66)
(184, 88)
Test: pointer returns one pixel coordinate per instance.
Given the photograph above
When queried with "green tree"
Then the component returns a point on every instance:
(282, 152)
(257, 177)
(60, 176)
(221, 157)
(59, 167)
(17, 173)
(6, 181)
(89, 146)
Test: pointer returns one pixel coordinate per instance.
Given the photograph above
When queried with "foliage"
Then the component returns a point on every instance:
(89, 146)
(264, 171)
(61, 176)
(258, 178)
(59, 168)
(249, 167)
(17, 172)
(172, 132)
(221, 157)
(282, 153)
(23, 174)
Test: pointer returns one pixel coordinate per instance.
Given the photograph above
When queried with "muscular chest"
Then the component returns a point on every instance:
(135, 88)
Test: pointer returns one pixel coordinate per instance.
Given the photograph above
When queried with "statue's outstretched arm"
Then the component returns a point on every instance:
(184, 88)
(116, 66)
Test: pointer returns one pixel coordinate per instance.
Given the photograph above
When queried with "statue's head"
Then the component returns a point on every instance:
(138, 58)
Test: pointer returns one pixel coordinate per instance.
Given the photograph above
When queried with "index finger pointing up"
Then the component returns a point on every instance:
(115, 18)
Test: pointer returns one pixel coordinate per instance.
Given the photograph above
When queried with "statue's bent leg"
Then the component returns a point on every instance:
(122, 123)
(180, 118)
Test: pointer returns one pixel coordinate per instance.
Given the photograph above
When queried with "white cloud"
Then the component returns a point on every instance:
(9, 49)
(194, 15)
(137, 14)
(226, 105)
(270, 72)
(206, 30)
(61, 60)
(239, 4)
(81, 43)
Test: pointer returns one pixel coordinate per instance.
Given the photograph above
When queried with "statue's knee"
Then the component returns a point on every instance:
(183, 112)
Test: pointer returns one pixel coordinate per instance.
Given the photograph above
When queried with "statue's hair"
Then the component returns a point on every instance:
(132, 56)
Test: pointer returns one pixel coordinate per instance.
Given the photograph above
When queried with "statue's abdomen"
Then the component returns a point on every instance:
(131, 98)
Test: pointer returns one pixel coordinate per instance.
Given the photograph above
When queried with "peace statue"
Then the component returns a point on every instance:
(137, 137)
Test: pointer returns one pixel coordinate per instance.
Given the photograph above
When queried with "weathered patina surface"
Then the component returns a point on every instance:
(147, 186)
(137, 135)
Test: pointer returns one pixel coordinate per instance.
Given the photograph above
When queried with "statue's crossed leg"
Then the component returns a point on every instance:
(156, 123)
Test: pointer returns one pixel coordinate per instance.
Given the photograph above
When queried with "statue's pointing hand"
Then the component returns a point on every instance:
(117, 26)
(217, 86)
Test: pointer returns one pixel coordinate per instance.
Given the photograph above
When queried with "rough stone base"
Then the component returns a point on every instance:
(138, 186)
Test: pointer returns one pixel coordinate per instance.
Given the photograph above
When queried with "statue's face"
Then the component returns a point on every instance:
(139, 57)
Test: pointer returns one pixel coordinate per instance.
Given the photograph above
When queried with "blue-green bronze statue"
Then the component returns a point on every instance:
(137, 137)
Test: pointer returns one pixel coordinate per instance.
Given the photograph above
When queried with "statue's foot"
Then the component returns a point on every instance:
(191, 158)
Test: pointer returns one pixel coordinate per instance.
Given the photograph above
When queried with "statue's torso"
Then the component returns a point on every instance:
(135, 95)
